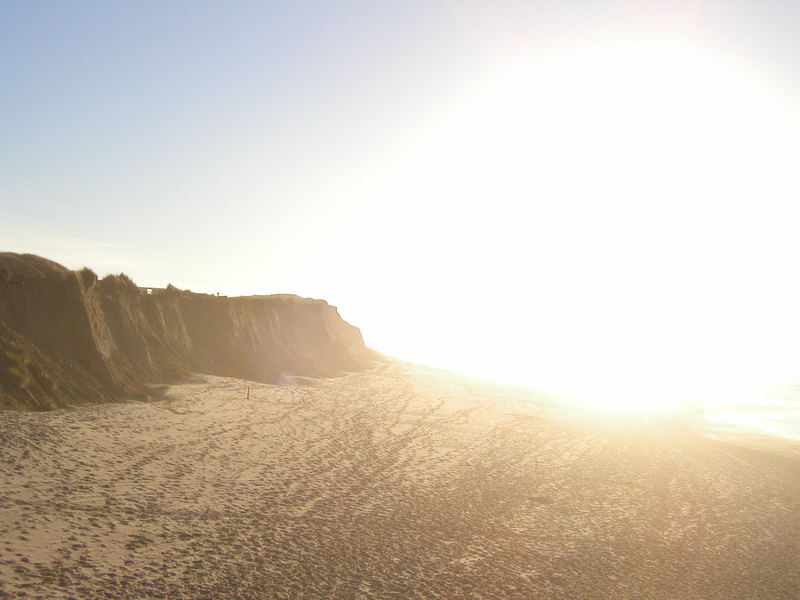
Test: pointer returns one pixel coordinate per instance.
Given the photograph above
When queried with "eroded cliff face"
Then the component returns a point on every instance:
(67, 338)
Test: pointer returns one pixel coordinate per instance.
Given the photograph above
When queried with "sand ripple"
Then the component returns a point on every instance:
(398, 483)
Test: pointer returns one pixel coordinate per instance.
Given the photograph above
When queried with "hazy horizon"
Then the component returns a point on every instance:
(593, 197)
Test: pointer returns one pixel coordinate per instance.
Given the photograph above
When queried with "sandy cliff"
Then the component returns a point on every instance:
(68, 338)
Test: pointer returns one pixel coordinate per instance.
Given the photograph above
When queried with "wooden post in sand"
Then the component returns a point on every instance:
(248, 392)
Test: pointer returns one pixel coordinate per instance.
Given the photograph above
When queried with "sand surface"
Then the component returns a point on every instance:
(397, 483)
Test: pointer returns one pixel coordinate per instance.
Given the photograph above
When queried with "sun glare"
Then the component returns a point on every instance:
(624, 205)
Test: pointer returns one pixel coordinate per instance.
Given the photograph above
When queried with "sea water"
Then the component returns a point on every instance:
(717, 408)
(772, 409)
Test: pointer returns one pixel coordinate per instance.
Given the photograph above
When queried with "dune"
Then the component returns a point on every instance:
(396, 482)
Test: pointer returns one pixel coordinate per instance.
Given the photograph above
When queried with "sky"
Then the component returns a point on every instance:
(582, 195)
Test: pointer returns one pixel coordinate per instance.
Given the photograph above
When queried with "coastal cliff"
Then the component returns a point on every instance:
(69, 338)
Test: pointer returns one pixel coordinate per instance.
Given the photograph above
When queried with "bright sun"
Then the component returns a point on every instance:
(625, 214)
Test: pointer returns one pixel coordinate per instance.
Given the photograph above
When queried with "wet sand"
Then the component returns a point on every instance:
(398, 483)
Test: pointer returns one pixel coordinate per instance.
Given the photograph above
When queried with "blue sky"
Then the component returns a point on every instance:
(169, 130)
(413, 162)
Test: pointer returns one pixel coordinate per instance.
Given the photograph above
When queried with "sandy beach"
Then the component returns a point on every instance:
(401, 482)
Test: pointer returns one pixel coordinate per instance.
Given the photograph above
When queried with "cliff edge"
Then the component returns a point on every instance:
(68, 338)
